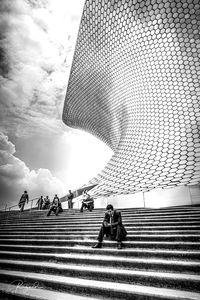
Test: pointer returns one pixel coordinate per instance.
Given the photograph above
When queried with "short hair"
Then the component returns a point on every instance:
(109, 206)
(25, 191)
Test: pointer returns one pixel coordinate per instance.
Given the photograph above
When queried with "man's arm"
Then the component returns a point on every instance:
(119, 219)
(106, 220)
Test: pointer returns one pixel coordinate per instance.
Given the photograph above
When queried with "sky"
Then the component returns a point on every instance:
(38, 152)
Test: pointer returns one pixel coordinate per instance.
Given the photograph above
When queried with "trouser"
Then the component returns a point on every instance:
(115, 233)
(70, 204)
(56, 210)
(89, 206)
(22, 204)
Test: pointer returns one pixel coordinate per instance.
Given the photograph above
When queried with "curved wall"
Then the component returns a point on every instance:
(135, 83)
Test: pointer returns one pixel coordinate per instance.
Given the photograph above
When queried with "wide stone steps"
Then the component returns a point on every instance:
(112, 273)
(131, 237)
(79, 216)
(89, 243)
(96, 227)
(131, 230)
(97, 224)
(127, 252)
(36, 215)
(160, 258)
(109, 289)
(103, 260)
(10, 291)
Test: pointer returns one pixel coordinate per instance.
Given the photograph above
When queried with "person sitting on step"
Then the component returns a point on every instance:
(56, 206)
(112, 227)
(87, 202)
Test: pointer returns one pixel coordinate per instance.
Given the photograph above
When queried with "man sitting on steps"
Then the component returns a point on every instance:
(56, 206)
(112, 226)
(87, 202)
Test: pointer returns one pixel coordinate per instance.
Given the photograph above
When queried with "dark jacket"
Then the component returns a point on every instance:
(70, 196)
(117, 228)
(24, 198)
(115, 219)
(56, 202)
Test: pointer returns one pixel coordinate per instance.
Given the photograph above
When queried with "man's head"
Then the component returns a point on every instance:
(25, 192)
(109, 208)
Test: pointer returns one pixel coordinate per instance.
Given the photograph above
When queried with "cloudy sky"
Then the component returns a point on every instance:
(37, 151)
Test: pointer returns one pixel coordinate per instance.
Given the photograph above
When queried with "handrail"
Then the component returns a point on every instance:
(17, 205)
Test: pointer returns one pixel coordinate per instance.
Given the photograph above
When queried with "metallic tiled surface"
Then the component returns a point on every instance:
(135, 84)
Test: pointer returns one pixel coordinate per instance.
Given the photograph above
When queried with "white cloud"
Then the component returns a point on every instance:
(37, 47)
(15, 177)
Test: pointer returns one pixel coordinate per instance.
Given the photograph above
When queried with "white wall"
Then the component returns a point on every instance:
(181, 195)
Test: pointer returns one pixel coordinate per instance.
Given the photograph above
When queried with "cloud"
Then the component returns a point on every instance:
(15, 177)
(36, 48)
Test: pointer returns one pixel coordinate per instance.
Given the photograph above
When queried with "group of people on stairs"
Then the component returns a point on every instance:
(111, 226)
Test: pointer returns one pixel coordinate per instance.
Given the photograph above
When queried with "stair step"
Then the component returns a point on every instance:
(88, 242)
(22, 291)
(130, 237)
(95, 287)
(62, 218)
(96, 230)
(103, 260)
(174, 280)
(89, 225)
(86, 227)
(127, 252)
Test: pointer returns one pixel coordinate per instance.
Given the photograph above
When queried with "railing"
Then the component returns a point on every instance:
(17, 205)
(30, 206)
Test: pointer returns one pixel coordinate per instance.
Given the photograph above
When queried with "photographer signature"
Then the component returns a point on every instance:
(20, 283)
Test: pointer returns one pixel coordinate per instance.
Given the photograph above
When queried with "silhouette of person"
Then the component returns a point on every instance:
(112, 226)
(22, 201)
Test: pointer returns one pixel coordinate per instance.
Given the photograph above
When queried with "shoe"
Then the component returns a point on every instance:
(119, 246)
(98, 245)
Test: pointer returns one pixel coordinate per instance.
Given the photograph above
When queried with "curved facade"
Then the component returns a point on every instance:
(135, 84)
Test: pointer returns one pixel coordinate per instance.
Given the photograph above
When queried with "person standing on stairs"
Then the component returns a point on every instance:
(112, 227)
(23, 199)
(70, 197)
(40, 203)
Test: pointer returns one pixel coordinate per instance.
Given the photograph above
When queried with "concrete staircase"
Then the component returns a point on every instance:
(51, 257)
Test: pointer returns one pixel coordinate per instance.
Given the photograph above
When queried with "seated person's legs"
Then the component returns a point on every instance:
(58, 210)
(52, 208)
(82, 206)
(91, 206)
(103, 230)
